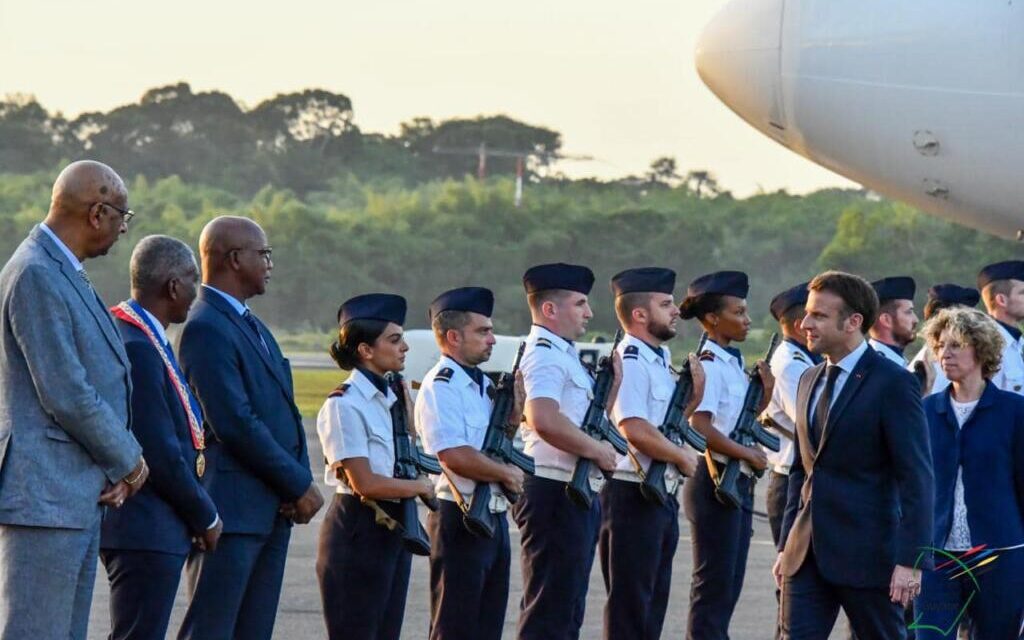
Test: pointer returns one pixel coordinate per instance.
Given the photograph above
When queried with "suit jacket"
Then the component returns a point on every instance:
(248, 403)
(173, 504)
(865, 498)
(64, 390)
(990, 447)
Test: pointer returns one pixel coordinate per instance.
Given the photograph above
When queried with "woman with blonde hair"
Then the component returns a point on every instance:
(977, 443)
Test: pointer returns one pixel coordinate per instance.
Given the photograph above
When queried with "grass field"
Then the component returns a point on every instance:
(312, 387)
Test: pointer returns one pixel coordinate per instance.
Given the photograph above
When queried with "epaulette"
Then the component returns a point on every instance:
(707, 356)
(632, 352)
(543, 342)
(340, 391)
(444, 375)
(799, 356)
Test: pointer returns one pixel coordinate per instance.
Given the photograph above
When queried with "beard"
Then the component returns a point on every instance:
(663, 332)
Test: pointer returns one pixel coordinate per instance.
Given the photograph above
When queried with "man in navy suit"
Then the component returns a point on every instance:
(144, 544)
(860, 502)
(263, 481)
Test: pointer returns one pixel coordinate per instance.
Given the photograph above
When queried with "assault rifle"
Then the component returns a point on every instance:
(597, 426)
(499, 447)
(676, 429)
(747, 432)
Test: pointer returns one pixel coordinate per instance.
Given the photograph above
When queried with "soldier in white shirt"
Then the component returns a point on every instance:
(897, 321)
(1002, 289)
(558, 536)
(788, 363)
(363, 568)
(469, 575)
(638, 537)
(721, 534)
(940, 296)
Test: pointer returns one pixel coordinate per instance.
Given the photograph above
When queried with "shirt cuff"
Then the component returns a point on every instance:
(216, 521)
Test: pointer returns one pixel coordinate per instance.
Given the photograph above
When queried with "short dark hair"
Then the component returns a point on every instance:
(699, 306)
(345, 350)
(448, 320)
(537, 299)
(625, 304)
(857, 294)
(792, 314)
(889, 306)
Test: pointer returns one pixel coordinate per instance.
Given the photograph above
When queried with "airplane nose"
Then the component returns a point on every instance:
(738, 58)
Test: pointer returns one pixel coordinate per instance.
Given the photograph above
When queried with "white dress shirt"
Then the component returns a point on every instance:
(846, 366)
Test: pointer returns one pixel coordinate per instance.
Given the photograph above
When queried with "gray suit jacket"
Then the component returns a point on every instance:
(64, 389)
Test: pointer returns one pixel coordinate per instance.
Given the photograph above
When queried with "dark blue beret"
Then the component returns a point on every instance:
(728, 283)
(571, 277)
(1009, 270)
(788, 299)
(646, 279)
(954, 294)
(373, 306)
(895, 288)
(475, 299)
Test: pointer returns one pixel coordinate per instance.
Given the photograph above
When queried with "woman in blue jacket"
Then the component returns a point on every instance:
(977, 441)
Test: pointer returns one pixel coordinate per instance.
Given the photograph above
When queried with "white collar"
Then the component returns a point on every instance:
(648, 353)
(459, 375)
(361, 383)
(237, 305)
(850, 361)
(75, 262)
(720, 352)
(537, 331)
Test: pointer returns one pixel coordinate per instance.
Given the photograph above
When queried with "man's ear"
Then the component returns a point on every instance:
(94, 214)
(171, 288)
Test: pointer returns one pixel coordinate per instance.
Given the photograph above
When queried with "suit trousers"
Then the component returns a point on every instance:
(721, 541)
(558, 541)
(234, 591)
(46, 581)
(636, 544)
(810, 606)
(142, 589)
(469, 577)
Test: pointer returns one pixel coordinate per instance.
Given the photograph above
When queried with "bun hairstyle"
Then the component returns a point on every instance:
(345, 350)
(698, 306)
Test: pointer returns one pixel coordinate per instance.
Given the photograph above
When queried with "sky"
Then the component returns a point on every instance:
(616, 79)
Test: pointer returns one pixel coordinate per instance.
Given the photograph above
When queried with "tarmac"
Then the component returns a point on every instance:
(300, 614)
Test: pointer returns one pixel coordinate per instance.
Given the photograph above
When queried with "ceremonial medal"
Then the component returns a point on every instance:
(200, 464)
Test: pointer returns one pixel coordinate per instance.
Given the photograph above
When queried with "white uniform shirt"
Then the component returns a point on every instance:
(552, 369)
(1010, 376)
(725, 386)
(888, 352)
(451, 412)
(645, 391)
(788, 363)
(357, 424)
(925, 355)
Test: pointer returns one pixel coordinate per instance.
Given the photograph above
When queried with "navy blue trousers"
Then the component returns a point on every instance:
(468, 577)
(996, 602)
(721, 540)
(234, 591)
(142, 589)
(363, 571)
(775, 503)
(637, 541)
(558, 542)
(810, 606)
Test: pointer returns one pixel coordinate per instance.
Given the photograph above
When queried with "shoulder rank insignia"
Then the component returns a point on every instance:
(799, 356)
(707, 356)
(544, 342)
(444, 375)
(339, 391)
(631, 352)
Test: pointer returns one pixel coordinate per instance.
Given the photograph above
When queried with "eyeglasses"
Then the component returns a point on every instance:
(265, 253)
(126, 214)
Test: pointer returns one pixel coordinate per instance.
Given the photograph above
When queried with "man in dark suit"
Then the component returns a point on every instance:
(144, 544)
(263, 482)
(860, 501)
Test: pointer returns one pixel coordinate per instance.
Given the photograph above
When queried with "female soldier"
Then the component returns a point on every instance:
(363, 567)
(721, 534)
(977, 442)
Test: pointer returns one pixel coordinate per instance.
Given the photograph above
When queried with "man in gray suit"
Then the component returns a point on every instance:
(65, 447)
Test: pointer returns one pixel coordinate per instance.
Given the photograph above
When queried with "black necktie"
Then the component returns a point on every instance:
(824, 404)
(255, 326)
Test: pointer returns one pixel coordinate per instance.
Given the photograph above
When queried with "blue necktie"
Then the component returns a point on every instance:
(255, 326)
